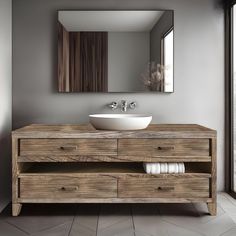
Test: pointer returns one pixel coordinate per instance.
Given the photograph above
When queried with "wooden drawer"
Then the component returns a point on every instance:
(66, 187)
(163, 147)
(68, 147)
(133, 187)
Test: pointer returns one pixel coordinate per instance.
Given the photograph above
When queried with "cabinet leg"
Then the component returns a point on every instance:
(16, 209)
(212, 208)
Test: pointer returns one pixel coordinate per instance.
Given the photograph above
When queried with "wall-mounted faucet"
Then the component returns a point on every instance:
(113, 105)
(124, 105)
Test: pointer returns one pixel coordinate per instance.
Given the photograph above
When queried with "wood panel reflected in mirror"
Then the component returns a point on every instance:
(115, 51)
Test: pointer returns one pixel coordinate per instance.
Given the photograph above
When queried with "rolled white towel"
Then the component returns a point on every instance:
(148, 168)
(164, 168)
(153, 169)
(176, 168)
(181, 168)
(158, 166)
(171, 168)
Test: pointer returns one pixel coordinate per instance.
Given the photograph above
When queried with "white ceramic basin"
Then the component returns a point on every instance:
(120, 121)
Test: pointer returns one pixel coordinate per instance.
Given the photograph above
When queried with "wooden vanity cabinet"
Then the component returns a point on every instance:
(78, 164)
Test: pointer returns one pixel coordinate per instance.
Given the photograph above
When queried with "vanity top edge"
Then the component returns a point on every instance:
(73, 129)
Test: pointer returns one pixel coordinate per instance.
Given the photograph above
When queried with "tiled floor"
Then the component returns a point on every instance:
(121, 220)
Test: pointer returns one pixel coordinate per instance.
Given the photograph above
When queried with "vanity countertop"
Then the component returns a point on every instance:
(88, 131)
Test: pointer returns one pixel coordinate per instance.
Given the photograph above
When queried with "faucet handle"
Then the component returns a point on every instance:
(124, 103)
(132, 105)
(113, 105)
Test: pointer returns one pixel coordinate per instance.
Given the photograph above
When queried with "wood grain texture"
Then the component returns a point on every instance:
(30, 147)
(213, 208)
(82, 61)
(63, 187)
(63, 59)
(16, 209)
(116, 200)
(75, 64)
(107, 169)
(166, 188)
(163, 147)
(76, 163)
(87, 131)
(120, 174)
(94, 61)
(112, 158)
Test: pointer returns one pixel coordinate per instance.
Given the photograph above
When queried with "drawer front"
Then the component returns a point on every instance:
(157, 188)
(163, 147)
(68, 147)
(62, 187)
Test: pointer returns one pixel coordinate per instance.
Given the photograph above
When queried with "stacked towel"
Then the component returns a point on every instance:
(164, 168)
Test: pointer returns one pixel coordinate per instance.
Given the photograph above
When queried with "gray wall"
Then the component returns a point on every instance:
(160, 28)
(199, 67)
(128, 55)
(5, 101)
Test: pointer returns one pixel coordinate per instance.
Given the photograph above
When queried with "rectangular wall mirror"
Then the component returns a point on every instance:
(116, 51)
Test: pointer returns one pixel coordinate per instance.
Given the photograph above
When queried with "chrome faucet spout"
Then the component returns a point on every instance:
(124, 105)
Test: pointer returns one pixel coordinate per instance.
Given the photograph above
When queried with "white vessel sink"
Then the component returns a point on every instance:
(120, 121)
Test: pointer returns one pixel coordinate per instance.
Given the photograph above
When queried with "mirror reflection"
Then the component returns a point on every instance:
(115, 51)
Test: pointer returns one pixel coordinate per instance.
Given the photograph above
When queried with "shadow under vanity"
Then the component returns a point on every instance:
(79, 164)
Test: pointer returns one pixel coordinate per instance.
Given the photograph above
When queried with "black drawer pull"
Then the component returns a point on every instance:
(165, 148)
(165, 188)
(68, 148)
(69, 188)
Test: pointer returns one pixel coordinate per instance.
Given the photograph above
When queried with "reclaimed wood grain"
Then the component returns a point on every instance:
(106, 169)
(166, 188)
(61, 187)
(16, 207)
(213, 206)
(31, 147)
(163, 147)
(76, 163)
(120, 174)
(87, 131)
(112, 158)
(116, 200)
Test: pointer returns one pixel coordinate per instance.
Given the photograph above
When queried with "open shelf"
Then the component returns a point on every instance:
(108, 168)
(86, 167)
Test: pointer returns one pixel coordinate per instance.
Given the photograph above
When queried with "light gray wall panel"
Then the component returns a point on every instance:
(128, 55)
